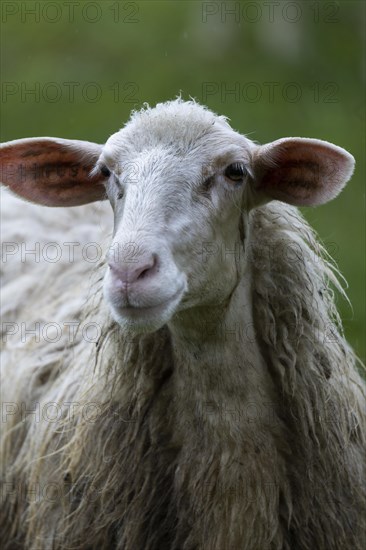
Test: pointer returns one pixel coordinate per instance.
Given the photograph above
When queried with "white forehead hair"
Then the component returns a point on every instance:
(178, 125)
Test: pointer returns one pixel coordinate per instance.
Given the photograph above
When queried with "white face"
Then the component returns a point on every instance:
(177, 214)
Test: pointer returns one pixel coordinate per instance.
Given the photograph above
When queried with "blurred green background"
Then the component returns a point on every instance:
(76, 69)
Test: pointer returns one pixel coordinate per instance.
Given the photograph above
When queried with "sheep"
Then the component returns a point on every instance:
(219, 406)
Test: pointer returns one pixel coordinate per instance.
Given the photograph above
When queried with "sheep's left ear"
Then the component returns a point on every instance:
(299, 171)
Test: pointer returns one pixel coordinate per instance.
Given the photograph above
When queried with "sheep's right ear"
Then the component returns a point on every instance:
(52, 171)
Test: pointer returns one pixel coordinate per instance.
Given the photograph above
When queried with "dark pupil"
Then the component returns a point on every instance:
(235, 171)
(105, 171)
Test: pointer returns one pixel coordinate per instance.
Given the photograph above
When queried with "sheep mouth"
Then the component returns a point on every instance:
(140, 314)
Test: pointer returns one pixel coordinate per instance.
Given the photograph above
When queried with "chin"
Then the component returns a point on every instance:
(143, 320)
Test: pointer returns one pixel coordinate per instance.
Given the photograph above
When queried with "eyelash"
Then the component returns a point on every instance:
(238, 172)
(235, 166)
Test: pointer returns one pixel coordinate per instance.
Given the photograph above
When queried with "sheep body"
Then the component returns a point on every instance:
(250, 437)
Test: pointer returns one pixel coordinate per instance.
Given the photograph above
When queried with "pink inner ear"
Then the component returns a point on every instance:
(294, 176)
(303, 172)
(52, 172)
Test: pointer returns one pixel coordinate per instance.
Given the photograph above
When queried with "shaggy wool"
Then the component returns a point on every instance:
(136, 443)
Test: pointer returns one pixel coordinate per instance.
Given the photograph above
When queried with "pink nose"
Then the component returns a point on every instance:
(130, 272)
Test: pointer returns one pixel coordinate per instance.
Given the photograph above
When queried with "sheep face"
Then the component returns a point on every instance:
(178, 203)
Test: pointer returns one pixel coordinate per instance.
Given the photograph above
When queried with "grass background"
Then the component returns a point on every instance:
(275, 69)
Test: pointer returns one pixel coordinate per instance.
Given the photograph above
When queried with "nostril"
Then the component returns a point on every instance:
(128, 273)
(148, 268)
(143, 273)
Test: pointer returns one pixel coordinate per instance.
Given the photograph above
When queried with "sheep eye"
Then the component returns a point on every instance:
(235, 172)
(105, 171)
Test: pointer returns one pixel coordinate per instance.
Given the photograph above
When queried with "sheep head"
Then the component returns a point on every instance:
(181, 183)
